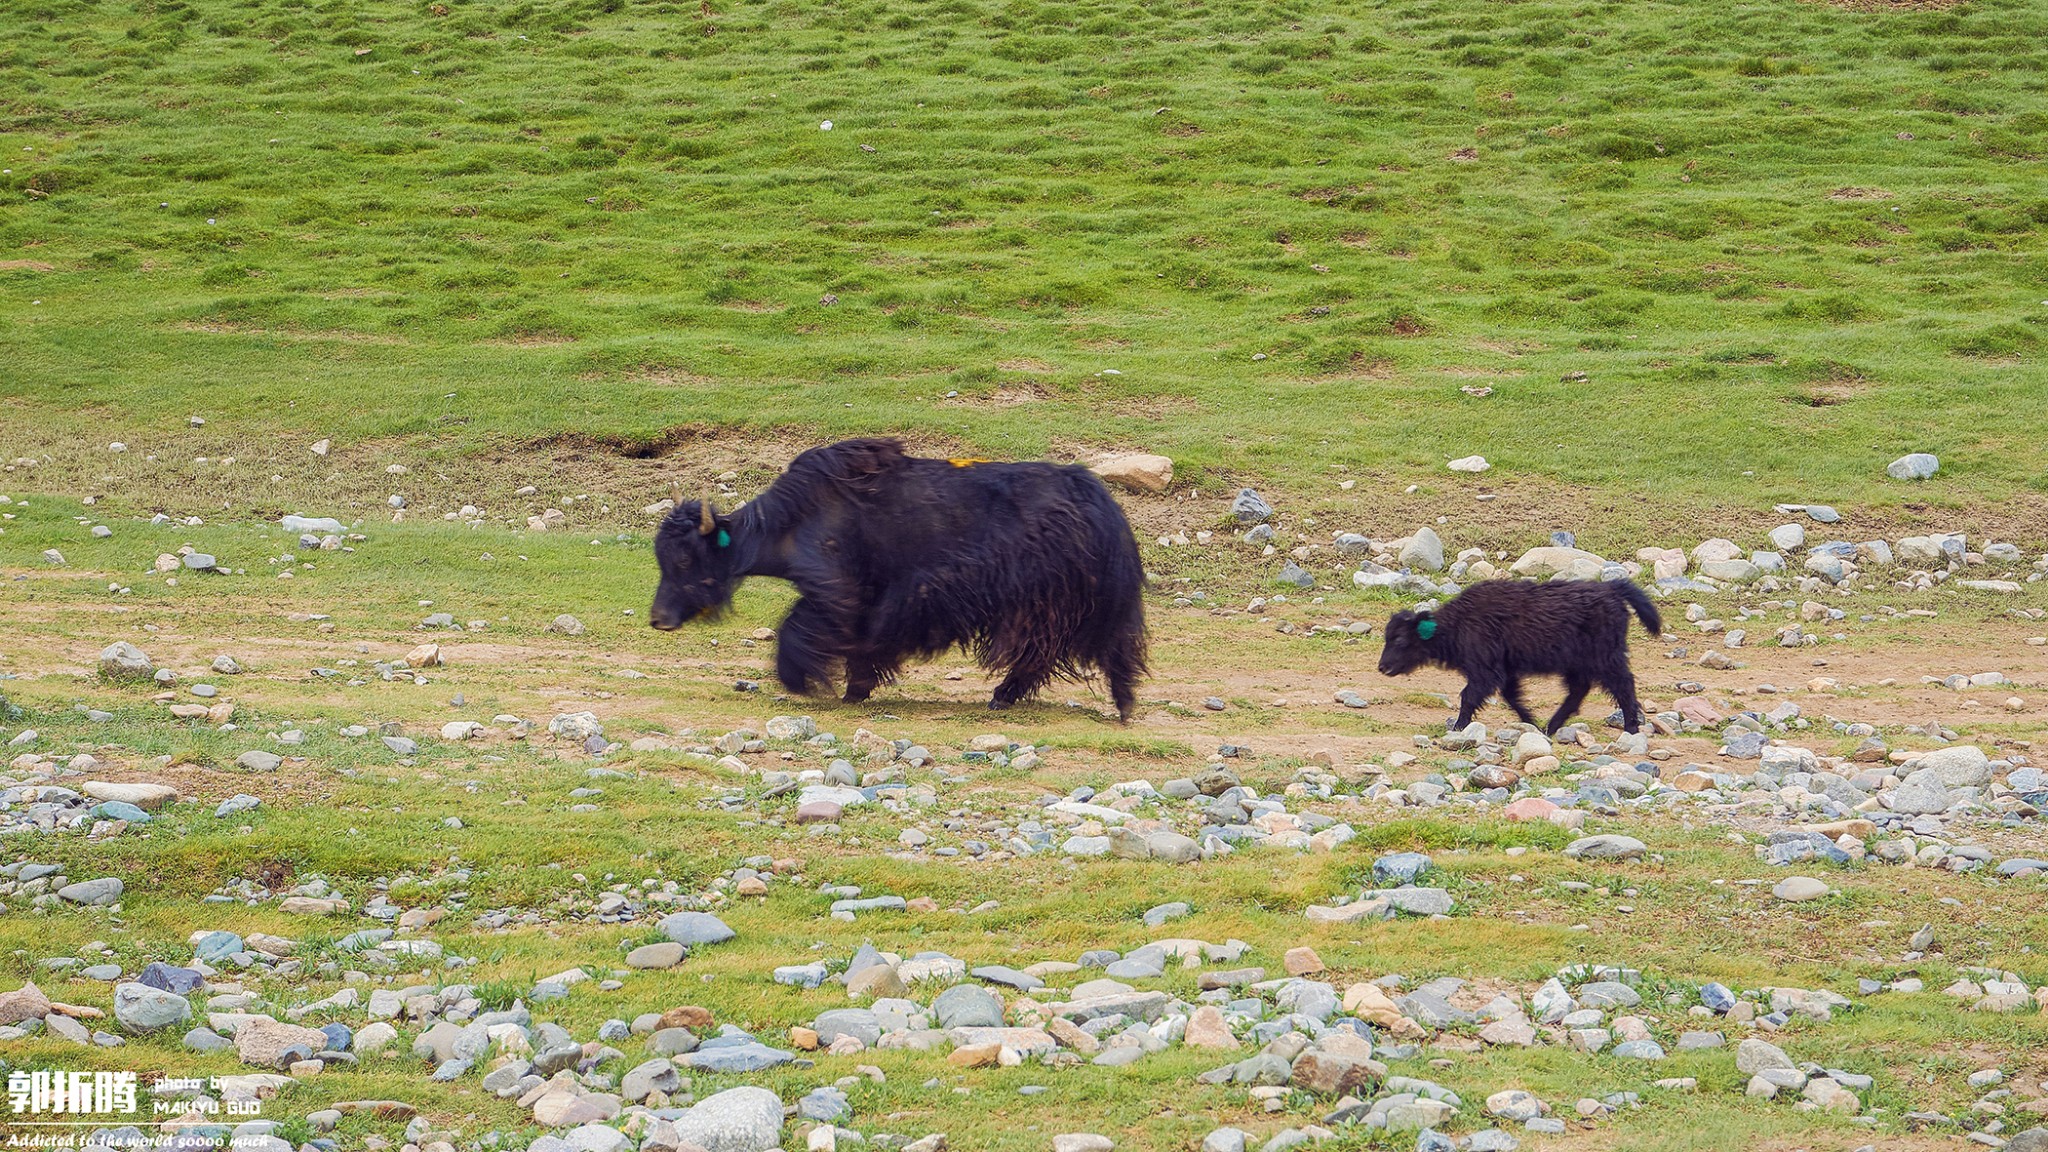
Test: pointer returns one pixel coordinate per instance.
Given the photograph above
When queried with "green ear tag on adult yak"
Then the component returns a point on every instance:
(724, 538)
(1426, 629)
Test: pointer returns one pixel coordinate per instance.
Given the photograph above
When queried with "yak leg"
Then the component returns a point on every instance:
(1477, 692)
(861, 677)
(1023, 680)
(1622, 686)
(1118, 669)
(1512, 693)
(807, 646)
(1575, 688)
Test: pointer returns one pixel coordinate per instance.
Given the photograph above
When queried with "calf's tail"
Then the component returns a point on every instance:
(1643, 605)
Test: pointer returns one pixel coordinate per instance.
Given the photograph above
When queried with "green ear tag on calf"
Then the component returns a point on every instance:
(724, 538)
(1426, 629)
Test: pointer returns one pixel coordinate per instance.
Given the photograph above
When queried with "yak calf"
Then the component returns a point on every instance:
(1498, 631)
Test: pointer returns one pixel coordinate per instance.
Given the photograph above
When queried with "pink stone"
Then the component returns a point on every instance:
(818, 812)
(1697, 710)
(1529, 808)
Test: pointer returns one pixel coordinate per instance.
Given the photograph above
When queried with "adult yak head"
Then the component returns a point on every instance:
(700, 568)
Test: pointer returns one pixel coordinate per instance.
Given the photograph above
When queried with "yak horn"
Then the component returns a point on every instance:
(705, 524)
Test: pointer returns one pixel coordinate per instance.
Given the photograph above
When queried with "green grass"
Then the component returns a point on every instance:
(586, 245)
(614, 222)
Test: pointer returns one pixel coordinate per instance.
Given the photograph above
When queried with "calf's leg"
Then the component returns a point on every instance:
(1622, 686)
(1575, 689)
(1512, 693)
(1477, 691)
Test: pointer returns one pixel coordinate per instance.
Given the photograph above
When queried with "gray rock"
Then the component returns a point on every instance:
(693, 929)
(206, 1040)
(1920, 794)
(860, 1023)
(1416, 901)
(200, 562)
(1225, 1140)
(1959, 766)
(648, 1078)
(2031, 1140)
(140, 1008)
(672, 1041)
(1160, 914)
(1607, 847)
(1608, 994)
(257, 760)
(402, 745)
(1007, 977)
(1249, 508)
(1399, 867)
(966, 1006)
(827, 1105)
(736, 1120)
(238, 803)
(1294, 575)
(105, 890)
(1424, 551)
(1913, 466)
(124, 661)
(666, 954)
(1753, 1056)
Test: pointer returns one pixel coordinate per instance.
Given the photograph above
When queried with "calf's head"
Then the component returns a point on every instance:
(1408, 639)
(694, 549)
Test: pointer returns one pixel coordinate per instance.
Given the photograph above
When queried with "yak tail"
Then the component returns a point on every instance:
(1645, 608)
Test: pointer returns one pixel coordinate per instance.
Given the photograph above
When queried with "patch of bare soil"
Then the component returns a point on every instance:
(26, 266)
(338, 335)
(1893, 5)
(1003, 396)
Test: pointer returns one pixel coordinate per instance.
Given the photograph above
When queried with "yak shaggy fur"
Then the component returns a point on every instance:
(1029, 566)
(1498, 631)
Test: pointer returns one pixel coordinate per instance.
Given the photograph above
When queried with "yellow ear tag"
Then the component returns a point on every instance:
(964, 461)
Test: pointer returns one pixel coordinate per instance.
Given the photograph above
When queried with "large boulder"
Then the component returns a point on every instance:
(1552, 561)
(276, 1045)
(24, 1003)
(124, 661)
(1961, 766)
(145, 796)
(1137, 472)
(693, 929)
(1424, 551)
(735, 1120)
(1913, 466)
(141, 1008)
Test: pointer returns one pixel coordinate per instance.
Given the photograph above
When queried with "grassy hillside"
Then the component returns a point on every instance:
(1781, 238)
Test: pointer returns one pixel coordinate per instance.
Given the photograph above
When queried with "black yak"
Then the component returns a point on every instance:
(1498, 631)
(1030, 566)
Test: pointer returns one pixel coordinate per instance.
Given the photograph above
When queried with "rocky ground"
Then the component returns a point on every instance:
(383, 874)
